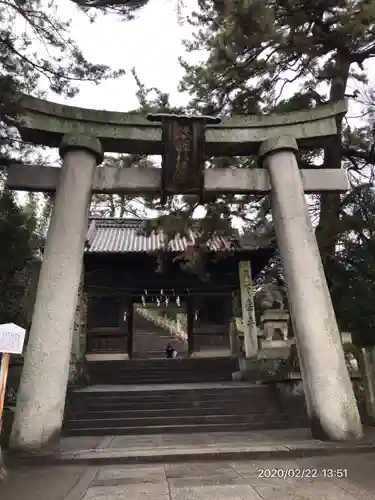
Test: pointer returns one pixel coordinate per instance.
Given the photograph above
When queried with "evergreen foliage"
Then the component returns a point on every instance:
(263, 57)
(286, 55)
(19, 246)
(33, 59)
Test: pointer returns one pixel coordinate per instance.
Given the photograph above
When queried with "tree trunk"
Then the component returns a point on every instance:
(328, 229)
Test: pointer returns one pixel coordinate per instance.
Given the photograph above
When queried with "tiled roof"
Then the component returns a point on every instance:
(125, 235)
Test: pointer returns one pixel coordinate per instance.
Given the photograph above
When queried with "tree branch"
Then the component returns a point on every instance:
(367, 156)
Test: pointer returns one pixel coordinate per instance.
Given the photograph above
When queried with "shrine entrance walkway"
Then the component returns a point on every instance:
(226, 480)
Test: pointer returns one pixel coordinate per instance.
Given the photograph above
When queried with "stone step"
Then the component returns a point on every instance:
(168, 371)
(160, 371)
(184, 362)
(189, 409)
(279, 423)
(179, 398)
(206, 365)
(155, 355)
(178, 404)
(161, 374)
(208, 418)
(122, 379)
(165, 366)
(170, 405)
(179, 449)
(198, 408)
(167, 375)
(234, 393)
(173, 377)
(157, 380)
(189, 400)
(201, 410)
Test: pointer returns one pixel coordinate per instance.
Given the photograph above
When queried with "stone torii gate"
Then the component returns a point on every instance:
(82, 135)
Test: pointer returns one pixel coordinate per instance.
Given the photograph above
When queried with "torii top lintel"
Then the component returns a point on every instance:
(45, 123)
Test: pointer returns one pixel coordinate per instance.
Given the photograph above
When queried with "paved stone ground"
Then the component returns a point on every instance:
(244, 480)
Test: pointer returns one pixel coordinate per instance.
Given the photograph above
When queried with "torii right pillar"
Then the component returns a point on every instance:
(330, 399)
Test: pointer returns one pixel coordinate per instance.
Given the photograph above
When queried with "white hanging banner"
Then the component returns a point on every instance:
(12, 338)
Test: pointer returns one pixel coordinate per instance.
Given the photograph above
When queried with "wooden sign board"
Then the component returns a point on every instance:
(183, 158)
(12, 338)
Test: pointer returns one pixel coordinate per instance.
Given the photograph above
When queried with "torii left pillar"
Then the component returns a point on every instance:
(41, 397)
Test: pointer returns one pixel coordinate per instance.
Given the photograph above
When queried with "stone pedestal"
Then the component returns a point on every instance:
(41, 397)
(274, 325)
(329, 394)
(274, 349)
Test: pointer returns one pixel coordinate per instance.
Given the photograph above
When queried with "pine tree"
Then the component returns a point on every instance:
(124, 8)
(42, 55)
(19, 248)
(286, 55)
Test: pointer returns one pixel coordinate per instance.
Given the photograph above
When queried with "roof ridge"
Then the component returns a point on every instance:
(131, 220)
(120, 234)
(118, 219)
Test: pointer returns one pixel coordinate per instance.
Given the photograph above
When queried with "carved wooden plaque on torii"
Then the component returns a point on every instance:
(183, 157)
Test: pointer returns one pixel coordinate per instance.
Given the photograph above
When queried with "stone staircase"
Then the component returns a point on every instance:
(150, 339)
(174, 328)
(175, 396)
(150, 394)
(161, 371)
(180, 410)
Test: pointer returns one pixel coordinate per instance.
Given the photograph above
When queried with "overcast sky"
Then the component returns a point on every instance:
(151, 43)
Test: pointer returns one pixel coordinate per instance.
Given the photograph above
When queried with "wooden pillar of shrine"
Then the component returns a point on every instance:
(212, 316)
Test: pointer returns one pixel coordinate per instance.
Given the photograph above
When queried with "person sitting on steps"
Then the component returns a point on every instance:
(170, 352)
